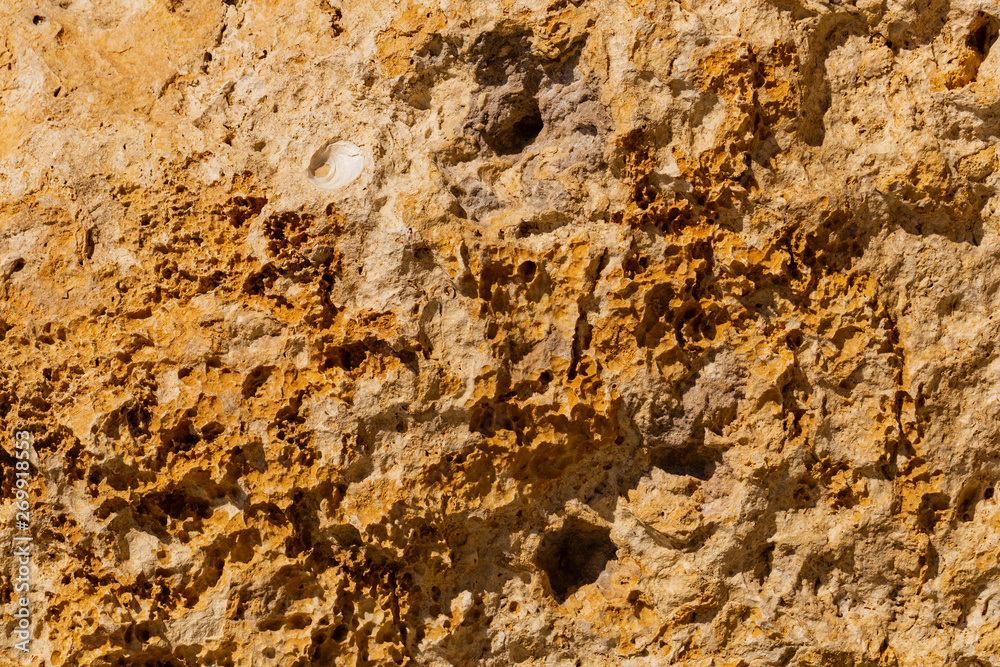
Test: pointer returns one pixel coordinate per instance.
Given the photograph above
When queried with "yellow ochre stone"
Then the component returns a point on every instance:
(630, 332)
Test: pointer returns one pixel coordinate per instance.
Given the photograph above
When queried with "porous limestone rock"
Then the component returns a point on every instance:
(649, 332)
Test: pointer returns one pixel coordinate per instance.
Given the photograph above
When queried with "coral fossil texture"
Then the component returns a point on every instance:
(650, 332)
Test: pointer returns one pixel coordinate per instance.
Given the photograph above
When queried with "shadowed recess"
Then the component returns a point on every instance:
(575, 555)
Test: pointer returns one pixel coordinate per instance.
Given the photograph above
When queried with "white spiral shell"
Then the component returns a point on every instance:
(335, 165)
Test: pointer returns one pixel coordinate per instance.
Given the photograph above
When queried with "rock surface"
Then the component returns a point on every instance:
(650, 333)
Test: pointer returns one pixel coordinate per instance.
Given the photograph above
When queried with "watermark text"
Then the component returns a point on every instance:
(22, 542)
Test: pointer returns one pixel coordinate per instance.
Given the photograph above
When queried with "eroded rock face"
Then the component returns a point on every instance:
(650, 332)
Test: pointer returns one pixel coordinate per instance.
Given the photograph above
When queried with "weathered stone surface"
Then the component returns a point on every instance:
(651, 333)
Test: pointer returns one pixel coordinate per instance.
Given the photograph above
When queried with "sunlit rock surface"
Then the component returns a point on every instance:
(649, 333)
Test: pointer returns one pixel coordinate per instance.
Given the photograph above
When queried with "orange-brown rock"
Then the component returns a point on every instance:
(650, 333)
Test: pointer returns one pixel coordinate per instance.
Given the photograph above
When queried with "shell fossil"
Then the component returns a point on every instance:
(335, 165)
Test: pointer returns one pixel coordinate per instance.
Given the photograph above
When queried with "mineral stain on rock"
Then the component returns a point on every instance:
(641, 333)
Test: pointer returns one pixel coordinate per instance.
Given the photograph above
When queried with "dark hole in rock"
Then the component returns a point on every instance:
(575, 556)
(983, 34)
(697, 462)
(764, 564)
(349, 357)
(255, 379)
(179, 505)
(794, 340)
(526, 129)
(212, 430)
(932, 506)
(517, 129)
(181, 437)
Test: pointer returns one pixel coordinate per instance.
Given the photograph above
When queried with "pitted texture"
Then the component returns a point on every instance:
(650, 333)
